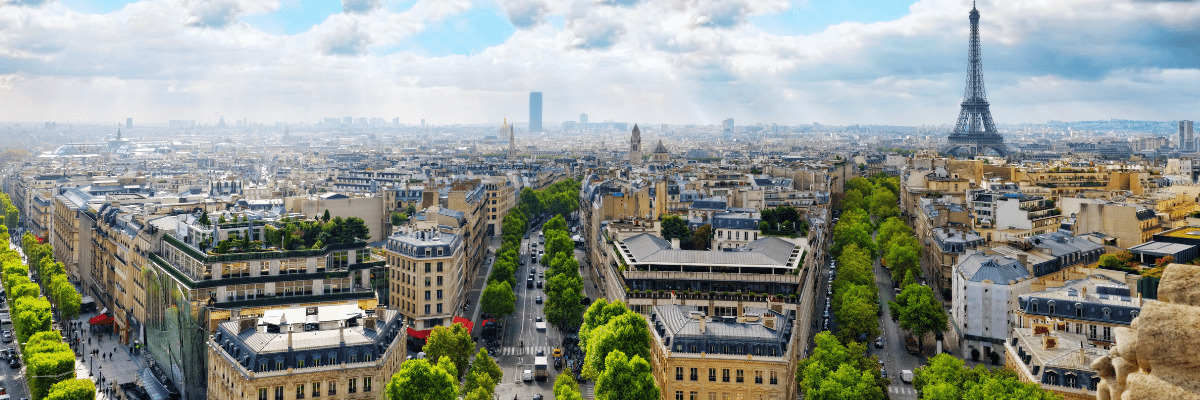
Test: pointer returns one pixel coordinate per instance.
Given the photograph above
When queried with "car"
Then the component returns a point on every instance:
(879, 342)
(7, 336)
(825, 314)
(522, 261)
(883, 373)
(537, 396)
(541, 275)
(539, 284)
(527, 376)
(14, 363)
(538, 319)
(541, 353)
(538, 300)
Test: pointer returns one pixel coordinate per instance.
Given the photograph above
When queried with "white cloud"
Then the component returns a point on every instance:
(671, 61)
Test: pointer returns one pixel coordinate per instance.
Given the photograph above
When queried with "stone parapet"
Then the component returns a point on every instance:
(1156, 357)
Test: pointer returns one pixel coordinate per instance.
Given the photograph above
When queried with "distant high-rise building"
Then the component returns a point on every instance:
(422, 122)
(1187, 140)
(727, 127)
(512, 140)
(395, 121)
(583, 119)
(535, 111)
(635, 146)
(128, 123)
(347, 120)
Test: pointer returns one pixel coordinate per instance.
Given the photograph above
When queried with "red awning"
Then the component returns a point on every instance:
(419, 334)
(102, 319)
(466, 323)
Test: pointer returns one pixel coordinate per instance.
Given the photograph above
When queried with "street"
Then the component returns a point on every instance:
(521, 341)
(894, 355)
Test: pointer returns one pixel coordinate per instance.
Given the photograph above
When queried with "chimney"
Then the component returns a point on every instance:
(289, 330)
(1024, 257)
(702, 321)
(342, 332)
(769, 321)
(675, 243)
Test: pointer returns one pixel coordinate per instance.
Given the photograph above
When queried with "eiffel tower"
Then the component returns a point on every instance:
(975, 133)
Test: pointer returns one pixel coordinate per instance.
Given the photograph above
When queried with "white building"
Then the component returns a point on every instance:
(986, 286)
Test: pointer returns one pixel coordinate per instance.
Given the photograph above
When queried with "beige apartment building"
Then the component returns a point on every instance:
(425, 275)
(697, 357)
(1130, 224)
(322, 352)
(499, 198)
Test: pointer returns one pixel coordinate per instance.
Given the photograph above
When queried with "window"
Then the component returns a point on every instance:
(352, 386)
(1107, 334)
(332, 359)
(1032, 305)
(427, 295)
(317, 360)
(712, 374)
(1078, 310)
(439, 279)
(1091, 331)
(439, 294)
(428, 281)
(439, 262)
(428, 267)
(332, 388)
(679, 375)
(694, 374)
(279, 364)
(262, 393)
(1107, 312)
(439, 307)
(300, 391)
(1050, 305)
(692, 396)
(678, 395)
(740, 376)
(774, 377)
(366, 384)
(725, 375)
(279, 393)
(758, 377)
(426, 309)
(316, 392)
(368, 357)
(353, 358)
(300, 362)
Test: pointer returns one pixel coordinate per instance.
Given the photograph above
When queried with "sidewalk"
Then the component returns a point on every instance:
(105, 371)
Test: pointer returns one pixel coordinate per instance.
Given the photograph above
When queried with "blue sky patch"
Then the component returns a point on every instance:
(816, 15)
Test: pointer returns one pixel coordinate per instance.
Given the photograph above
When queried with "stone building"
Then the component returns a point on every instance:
(1154, 358)
(320, 352)
(425, 271)
(700, 357)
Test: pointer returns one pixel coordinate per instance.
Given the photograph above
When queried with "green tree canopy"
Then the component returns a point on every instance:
(674, 227)
(627, 333)
(626, 378)
(702, 237)
(485, 364)
(853, 200)
(73, 389)
(597, 315)
(420, 380)
(498, 299)
(919, 312)
(944, 377)
(566, 388)
(856, 319)
(453, 342)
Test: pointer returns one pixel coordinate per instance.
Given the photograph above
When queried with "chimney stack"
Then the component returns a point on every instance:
(289, 331)
(675, 244)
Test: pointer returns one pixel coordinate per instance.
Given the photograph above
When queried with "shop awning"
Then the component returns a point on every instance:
(419, 334)
(102, 319)
(466, 323)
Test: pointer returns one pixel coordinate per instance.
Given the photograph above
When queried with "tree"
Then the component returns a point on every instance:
(861, 184)
(558, 223)
(530, 203)
(918, 311)
(453, 342)
(564, 300)
(626, 378)
(485, 364)
(702, 237)
(419, 380)
(626, 333)
(1122, 261)
(856, 319)
(834, 369)
(902, 257)
(498, 299)
(566, 388)
(883, 204)
(598, 315)
(204, 218)
(943, 377)
(48, 361)
(674, 227)
(73, 389)
(399, 218)
(853, 200)
(325, 216)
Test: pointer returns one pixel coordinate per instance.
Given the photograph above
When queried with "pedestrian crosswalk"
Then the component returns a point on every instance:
(894, 389)
(521, 351)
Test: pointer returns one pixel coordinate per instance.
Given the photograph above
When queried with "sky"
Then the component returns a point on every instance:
(653, 61)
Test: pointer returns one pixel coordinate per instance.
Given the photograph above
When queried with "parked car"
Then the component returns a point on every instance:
(879, 342)
(538, 299)
(14, 363)
(539, 284)
(7, 335)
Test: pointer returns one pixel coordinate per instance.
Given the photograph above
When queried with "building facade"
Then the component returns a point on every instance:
(425, 271)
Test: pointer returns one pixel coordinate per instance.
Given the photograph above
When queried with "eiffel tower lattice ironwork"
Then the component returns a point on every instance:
(975, 133)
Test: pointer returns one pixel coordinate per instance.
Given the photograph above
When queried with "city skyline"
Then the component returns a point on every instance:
(468, 62)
